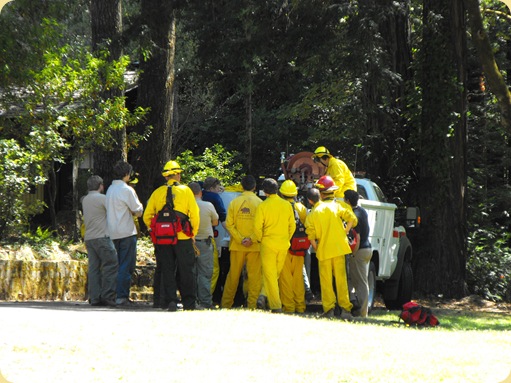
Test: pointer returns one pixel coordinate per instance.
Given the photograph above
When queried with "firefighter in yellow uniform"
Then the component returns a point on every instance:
(327, 234)
(180, 256)
(337, 169)
(243, 246)
(274, 225)
(292, 288)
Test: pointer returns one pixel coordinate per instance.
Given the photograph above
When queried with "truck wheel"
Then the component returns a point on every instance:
(371, 279)
(405, 288)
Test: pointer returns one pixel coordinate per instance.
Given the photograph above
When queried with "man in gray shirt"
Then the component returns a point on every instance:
(204, 242)
(103, 262)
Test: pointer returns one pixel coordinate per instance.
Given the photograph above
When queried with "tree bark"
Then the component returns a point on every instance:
(494, 78)
(156, 91)
(439, 264)
(106, 23)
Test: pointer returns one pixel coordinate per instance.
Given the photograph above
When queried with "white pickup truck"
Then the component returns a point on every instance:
(390, 270)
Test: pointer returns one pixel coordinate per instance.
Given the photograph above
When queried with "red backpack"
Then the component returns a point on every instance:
(167, 223)
(414, 314)
(299, 241)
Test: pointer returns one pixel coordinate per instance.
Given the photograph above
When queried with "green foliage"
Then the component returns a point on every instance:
(19, 171)
(215, 162)
(488, 264)
(40, 237)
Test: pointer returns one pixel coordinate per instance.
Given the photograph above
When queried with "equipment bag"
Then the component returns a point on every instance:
(165, 225)
(352, 239)
(414, 314)
(299, 241)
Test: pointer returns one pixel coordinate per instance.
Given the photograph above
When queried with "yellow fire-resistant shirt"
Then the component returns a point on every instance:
(324, 224)
(299, 207)
(240, 221)
(341, 175)
(274, 223)
(184, 202)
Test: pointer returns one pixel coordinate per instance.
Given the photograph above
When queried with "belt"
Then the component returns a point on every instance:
(207, 240)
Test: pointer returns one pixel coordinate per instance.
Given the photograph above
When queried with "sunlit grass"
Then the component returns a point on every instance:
(453, 319)
(87, 345)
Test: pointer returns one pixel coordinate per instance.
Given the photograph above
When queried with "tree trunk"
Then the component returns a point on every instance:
(156, 91)
(51, 186)
(76, 202)
(106, 22)
(249, 128)
(492, 73)
(440, 257)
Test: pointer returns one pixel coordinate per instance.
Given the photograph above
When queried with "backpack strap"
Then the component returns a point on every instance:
(297, 217)
(170, 200)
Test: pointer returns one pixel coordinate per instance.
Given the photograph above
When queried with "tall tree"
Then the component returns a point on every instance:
(106, 23)
(156, 91)
(441, 254)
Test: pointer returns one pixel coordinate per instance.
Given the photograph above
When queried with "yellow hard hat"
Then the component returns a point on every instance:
(171, 168)
(288, 188)
(321, 151)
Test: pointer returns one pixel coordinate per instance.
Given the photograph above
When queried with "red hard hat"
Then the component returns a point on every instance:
(326, 184)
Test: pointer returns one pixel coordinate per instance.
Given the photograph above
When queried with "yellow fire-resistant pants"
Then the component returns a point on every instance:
(292, 288)
(272, 261)
(238, 260)
(334, 267)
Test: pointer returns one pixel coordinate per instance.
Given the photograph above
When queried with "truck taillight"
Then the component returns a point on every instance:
(398, 234)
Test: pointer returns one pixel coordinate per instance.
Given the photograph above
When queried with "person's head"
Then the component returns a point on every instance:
(351, 196)
(313, 196)
(270, 186)
(172, 170)
(321, 154)
(121, 170)
(196, 188)
(94, 183)
(212, 184)
(288, 189)
(326, 185)
(248, 183)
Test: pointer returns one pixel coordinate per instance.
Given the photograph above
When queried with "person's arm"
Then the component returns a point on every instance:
(214, 216)
(150, 211)
(291, 222)
(349, 217)
(311, 231)
(258, 224)
(135, 206)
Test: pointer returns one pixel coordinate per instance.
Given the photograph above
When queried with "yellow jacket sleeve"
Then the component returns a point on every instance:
(342, 176)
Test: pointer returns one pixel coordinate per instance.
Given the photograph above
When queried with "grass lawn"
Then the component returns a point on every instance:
(112, 345)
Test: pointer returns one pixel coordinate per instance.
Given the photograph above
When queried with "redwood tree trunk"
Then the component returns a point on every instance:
(439, 264)
(156, 91)
(106, 22)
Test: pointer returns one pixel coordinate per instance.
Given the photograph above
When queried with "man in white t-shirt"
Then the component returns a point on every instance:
(122, 204)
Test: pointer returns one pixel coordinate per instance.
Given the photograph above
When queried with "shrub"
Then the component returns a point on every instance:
(488, 264)
(18, 173)
(215, 162)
